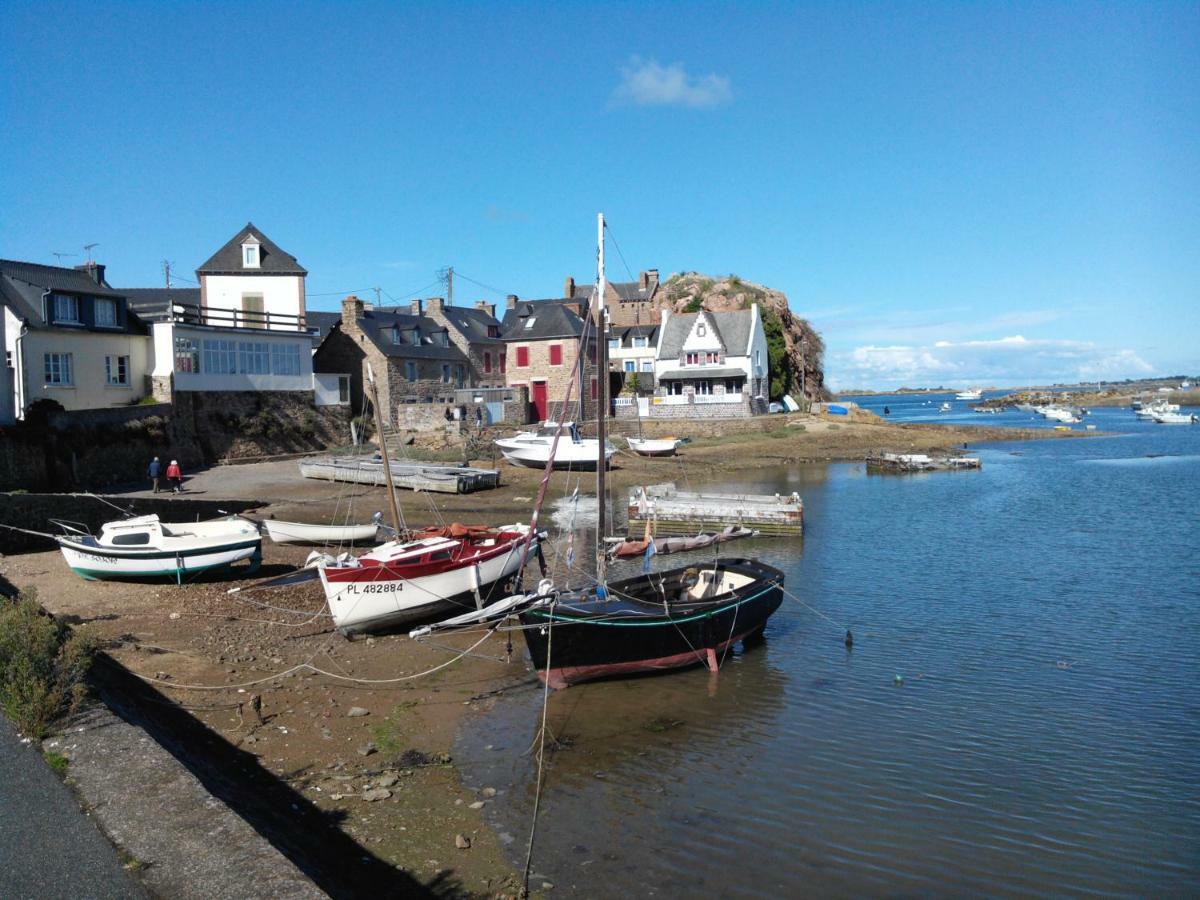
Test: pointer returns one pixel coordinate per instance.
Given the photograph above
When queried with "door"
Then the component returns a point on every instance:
(539, 400)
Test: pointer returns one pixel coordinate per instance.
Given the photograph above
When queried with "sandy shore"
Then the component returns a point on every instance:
(400, 750)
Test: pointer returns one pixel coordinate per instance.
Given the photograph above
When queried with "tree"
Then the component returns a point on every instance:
(780, 367)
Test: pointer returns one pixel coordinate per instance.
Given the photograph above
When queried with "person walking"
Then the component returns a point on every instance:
(175, 477)
(478, 417)
(153, 472)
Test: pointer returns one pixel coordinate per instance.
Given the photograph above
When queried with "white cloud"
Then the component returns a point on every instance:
(1013, 360)
(647, 83)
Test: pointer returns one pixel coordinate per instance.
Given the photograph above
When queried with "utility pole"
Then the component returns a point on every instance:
(378, 302)
(167, 272)
(450, 286)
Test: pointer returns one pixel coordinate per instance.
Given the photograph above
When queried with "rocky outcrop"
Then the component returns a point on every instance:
(795, 348)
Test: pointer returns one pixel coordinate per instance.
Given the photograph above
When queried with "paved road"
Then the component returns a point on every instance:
(48, 847)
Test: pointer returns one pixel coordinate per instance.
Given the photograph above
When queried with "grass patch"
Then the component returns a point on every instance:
(388, 735)
(57, 762)
(42, 666)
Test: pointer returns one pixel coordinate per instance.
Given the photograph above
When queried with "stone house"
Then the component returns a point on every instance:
(69, 337)
(710, 364)
(629, 302)
(413, 357)
(546, 351)
(476, 332)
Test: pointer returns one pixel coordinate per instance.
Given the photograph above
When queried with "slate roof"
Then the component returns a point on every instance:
(629, 332)
(271, 259)
(733, 331)
(471, 323)
(625, 290)
(153, 302)
(323, 322)
(553, 318)
(377, 324)
(703, 372)
(22, 285)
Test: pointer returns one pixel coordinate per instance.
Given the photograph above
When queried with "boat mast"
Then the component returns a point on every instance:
(601, 337)
(383, 451)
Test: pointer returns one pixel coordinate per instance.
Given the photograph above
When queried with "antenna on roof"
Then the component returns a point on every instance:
(166, 264)
(447, 275)
(89, 248)
(59, 256)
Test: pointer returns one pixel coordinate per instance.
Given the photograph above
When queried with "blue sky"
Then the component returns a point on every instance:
(953, 193)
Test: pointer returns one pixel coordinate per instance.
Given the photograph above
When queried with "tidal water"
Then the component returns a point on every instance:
(1019, 714)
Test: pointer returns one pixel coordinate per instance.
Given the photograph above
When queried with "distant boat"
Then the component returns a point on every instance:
(144, 547)
(572, 451)
(655, 446)
(972, 394)
(1174, 418)
(304, 533)
(945, 407)
(920, 462)
(987, 409)
(1060, 414)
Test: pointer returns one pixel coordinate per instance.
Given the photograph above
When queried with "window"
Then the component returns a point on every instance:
(614, 344)
(647, 365)
(529, 322)
(704, 386)
(493, 331)
(285, 360)
(503, 361)
(460, 377)
(116, 370)
(253, 311)
(733, 385)
(444, 338)
(250, 256)
(691, 359)
(187, 355)
(445, 373)
(701, 331)
(675, 387)
(630, 365)
(220, 357)
(711, 359)
(487, 361)
(106, 312)
(58, 369)
(254, 358)
(591, 352)
(641, 343)
(556, 354)
(416, 336)
(343, 388)
(522, 357)
(396, 337)
(66, 309)
(410, 371)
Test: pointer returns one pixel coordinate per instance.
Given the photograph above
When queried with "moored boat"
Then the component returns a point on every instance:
(655, 446)
(304, 533)
(145, 547)
(969, 394)
(534, 449)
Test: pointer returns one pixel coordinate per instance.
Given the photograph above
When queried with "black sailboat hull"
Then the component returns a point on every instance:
(645, 624)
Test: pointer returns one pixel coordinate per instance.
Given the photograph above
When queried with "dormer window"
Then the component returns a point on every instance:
(396, 337)
(250, 253)
(445, 336)
(416, 337)
(493, 331)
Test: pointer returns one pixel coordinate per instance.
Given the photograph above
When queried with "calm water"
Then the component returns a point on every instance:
(1044, 617)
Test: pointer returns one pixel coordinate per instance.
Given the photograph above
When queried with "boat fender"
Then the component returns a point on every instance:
(546, 586)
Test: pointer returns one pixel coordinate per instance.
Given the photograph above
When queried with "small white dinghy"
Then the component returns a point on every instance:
(144, 547)
(655, 446)
(303, 533)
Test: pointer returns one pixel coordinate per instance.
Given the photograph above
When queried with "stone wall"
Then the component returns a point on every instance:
(693, 410)
(34, 512)
(557, 377)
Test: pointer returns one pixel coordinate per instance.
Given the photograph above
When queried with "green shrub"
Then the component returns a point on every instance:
(57, 762)
(42, 666)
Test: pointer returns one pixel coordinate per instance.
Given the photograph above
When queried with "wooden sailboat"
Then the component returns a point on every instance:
(425, 574)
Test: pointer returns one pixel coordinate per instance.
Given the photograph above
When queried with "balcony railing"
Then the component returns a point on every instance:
(190, 314)
(684, 399)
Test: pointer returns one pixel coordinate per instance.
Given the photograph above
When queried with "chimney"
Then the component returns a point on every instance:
(652, 276)
(352, 310)
(416, 307)
(643, 280)
(511, 301)
(484, 306)
(95, 270)
(437, 304)
(569, 288)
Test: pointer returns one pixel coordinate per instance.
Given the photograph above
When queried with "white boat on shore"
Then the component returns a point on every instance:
(655, 446)
(572, 451)
(304, 533)
(144, 547)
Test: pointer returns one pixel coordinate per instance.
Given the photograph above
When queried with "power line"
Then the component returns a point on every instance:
(486, 287)
(618, 249)
(343, 293)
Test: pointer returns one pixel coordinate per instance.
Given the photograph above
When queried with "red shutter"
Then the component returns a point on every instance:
(522, 357)
(487, 361)
(556, 354)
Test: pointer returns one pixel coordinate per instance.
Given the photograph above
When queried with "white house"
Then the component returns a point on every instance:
(243, 329)
(68, 337)
(711, 358)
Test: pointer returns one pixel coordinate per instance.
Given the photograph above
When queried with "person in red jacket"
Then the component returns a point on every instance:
(175, 477)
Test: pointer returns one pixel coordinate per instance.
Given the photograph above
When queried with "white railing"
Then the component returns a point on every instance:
(718, 398)
(623, 401)
(684, 399)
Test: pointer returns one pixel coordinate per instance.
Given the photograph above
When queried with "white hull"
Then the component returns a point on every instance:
(969, 395)
(654, 446)
(568, 455)
(1174, 419)
(302, 533)
(388, 600)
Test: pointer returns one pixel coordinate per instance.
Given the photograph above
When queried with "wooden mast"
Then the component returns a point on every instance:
(383, 451)
(601, 337)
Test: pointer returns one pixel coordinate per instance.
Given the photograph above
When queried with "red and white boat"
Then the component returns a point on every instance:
(438, 571)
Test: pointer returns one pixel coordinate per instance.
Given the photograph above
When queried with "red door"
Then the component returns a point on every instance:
(539, 399)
